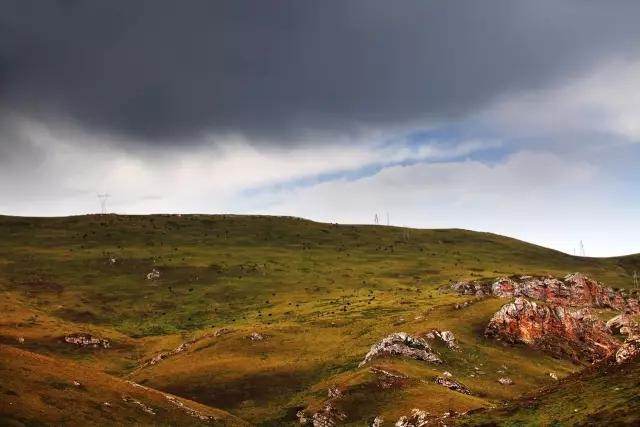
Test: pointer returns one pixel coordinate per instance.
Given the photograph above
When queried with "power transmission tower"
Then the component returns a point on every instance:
(103, 202)
(376, 221)
(388, 218)
(582, 252)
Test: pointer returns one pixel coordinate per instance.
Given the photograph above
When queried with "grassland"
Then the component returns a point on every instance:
(321, 294)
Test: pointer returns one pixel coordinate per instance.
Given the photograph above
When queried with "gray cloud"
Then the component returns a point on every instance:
(159, 71)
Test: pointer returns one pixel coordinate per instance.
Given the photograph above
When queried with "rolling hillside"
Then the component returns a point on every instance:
(270, 314)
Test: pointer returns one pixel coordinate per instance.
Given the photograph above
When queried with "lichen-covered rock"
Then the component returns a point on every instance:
(82, 339)
(401, 344)
(552, 328)
(452, 384)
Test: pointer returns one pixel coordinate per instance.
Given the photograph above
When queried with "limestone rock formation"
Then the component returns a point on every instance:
(554, 329)
(401, 344)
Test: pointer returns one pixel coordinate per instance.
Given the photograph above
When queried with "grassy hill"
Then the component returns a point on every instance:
(603, 395)
(39, 390)
(320, 294)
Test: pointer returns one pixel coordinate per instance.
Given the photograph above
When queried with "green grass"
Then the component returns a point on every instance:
(322, 293)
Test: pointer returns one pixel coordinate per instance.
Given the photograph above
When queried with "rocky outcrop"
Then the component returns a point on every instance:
(630, 349)
(622, 324)
(388, 379)
(328, 416)
(418, 418)
(403, 345)
(576, 290)
(180, 349)
(82, 339)
(192, 412)
(446, 337)
(145, 408)
(554, 329)
(451, 384)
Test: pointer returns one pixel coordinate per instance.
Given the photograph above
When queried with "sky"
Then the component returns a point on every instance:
(520, 118)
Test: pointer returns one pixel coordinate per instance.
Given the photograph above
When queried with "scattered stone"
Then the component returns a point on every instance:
(255, 336)
(553, 375)
(153, 275)
(376, 422)
(181, 348)
(21, 340)
(452, 384)
(112, 260)
(629, 350)
(328, 416)
(388, 379)
(401, 344)
(106, 404)
(302, 417)
(447, 374)
(83, 340)
(418, 418)
(76, 383)
(505, 381)
(222, 331)
(148, 409)
(445, 336)
(553, 329)
(192, 412)
(334, 392)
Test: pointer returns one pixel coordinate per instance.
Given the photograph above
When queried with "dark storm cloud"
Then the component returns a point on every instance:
(160, 70)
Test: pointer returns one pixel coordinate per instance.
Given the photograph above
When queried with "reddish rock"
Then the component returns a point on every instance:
(622, 323)
(554, 329)
(629, 350)
(575, 290)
